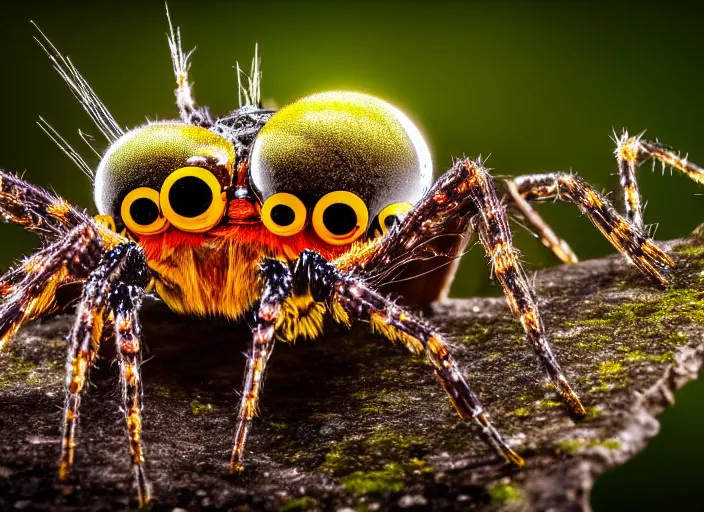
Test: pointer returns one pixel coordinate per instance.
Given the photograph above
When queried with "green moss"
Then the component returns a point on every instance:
(18, 371)
(636, 355)
(521, 412)
(667, 357)
(592, 412)
(575, 446)
(383, 444)
(474, 334)
(677, 338)
(494, 356)
(389, 479)
(610, 369)
(691, 251)
(418, 466)
(551, 404)
(589, 346)
(505, 493)
(602, 386)
(303, 503)
(198, 408)
(570, 446)
(611, 444)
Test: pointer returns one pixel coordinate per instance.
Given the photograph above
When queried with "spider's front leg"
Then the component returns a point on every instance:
(114, 289)
(277, 288)
(465, 196)
(350, 298)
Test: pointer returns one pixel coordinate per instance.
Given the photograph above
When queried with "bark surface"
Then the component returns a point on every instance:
(351, 421)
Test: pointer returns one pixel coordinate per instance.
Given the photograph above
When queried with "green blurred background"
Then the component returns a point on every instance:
(536, 85)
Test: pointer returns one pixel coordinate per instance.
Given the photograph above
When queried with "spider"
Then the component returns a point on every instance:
(284, 217)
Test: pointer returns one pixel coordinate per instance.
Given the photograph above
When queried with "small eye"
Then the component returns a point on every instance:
(140, 212)
(284, 214)
(393, 214)
(340, 217)
(192, 199)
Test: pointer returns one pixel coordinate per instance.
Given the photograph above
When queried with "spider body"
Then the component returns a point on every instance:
(286, 217)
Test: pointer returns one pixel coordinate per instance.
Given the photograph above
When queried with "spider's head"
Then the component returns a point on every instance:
(343, 163)
(165, 174)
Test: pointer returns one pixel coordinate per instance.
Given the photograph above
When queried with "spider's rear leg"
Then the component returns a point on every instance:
(351, 299)
(630, 153)
(627, 238)
(557, 245)
(277, 288)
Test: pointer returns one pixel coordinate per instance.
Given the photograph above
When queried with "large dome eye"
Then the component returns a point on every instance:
(141, 213)
(393, 214)
(341, 141)
(284, 214)
(192, 199)
(340, 217)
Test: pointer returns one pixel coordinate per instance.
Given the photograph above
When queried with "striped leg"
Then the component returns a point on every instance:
(126, 300)
(29, 289)
(557, 245)
(630, 153)
(467, 192)
(628, 239)
(36, 209)
(115, 286)
(351, 299)
(277, 287)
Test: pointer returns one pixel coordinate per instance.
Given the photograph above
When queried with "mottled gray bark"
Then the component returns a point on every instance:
(350, 421)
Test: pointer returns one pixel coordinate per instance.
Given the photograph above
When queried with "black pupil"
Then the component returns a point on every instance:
(283, 215)
(390, 221)
(144, 211)
(339, 218)
(190, 196)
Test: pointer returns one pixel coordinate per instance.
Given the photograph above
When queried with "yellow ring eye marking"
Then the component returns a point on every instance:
(398, 210)
(284, 214)
(192, 199)
(143, 202)
(340, 217)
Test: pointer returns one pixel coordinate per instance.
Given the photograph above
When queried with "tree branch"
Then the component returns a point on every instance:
(349, 421)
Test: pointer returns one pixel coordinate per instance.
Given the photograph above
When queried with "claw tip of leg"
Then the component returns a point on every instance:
(514, 458)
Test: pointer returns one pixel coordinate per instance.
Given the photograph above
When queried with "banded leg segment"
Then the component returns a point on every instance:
(351, 299)
(467, 192)
(30, 288)
(627, 238)
(36, 209)
(557, 245)
(126, 300)
(495, 235)
(631, 152)
(277, 287)
(114, 287)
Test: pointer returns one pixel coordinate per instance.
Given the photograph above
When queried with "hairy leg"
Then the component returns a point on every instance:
(277, 288)
(350, 299)
(36, 209)
(29, 289)
(627, 238)
(114, 288)
(557, 245)
(631, 152)
(465, 197)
